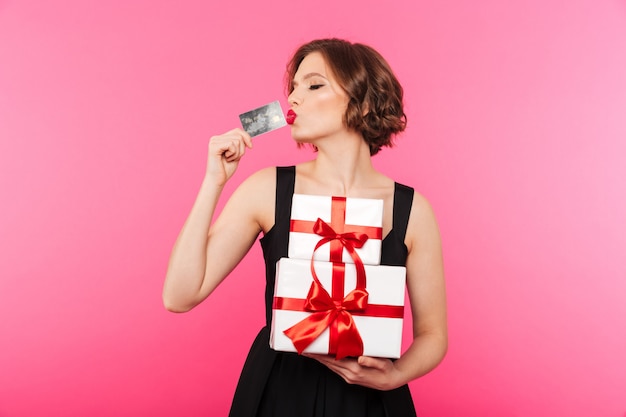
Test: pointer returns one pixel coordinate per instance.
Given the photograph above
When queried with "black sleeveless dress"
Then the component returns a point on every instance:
(284, 384)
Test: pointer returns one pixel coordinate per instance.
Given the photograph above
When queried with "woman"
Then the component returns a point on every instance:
(346, 103)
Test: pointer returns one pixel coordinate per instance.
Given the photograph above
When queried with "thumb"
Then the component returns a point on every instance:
(369, 362)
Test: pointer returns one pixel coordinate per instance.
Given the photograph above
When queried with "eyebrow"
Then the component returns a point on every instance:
(307, 76)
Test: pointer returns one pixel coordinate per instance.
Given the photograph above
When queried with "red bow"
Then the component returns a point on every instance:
(325, 310)
(348, 240)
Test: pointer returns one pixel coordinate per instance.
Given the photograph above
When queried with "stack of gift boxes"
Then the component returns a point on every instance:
(332, 296)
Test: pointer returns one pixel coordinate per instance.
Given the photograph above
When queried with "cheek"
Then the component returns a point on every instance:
(335, 106)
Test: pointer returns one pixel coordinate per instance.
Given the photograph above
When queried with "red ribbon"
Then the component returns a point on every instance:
(371, 310)
(306, 226)
(335, 311)
(325, 311)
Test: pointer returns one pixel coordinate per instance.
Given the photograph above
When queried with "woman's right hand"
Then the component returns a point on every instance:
(225, 151)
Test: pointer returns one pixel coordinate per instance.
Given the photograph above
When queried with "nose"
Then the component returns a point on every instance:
(293, 99)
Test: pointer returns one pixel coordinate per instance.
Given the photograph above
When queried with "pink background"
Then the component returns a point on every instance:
(517, 136)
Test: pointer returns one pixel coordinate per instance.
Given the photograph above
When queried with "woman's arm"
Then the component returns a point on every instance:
(426, 287)
(427, 294)
(205, 254)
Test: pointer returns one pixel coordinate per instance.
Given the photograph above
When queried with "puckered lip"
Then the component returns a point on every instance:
(291, 116)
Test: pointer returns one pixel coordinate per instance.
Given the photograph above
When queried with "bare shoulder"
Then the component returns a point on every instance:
(422, 229)
(263, 178)
(421, 206)
(256, 195)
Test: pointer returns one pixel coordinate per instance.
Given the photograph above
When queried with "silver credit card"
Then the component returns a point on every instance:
(263, 119)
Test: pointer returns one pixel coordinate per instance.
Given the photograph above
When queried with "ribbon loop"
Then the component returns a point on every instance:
(353, 239)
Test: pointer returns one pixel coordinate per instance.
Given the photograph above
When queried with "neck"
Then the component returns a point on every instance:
(344, 163)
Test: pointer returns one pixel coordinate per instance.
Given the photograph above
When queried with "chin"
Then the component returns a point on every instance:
(303, 143)
(299, 137)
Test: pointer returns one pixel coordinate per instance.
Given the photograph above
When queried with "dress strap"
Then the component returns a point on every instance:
(402, 202)
(285, 183)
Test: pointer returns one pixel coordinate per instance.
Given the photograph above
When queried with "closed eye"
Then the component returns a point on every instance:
(316, 86)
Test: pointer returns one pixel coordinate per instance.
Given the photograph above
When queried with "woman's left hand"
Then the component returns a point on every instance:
(367, 371)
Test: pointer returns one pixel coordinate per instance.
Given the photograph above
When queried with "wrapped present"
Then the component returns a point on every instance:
(342, 222)
(338, 309)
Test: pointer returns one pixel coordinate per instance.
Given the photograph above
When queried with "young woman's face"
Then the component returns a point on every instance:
(318, 101)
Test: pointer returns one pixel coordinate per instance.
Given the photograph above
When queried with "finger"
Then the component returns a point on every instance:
(237, 148)
(220, 145)
(242, 147)
(324, 358)
(370, 362)
(232, 156)
(342, 366)
(229, 150)
(318, 356)
(232, 135)
(247, 139)
(240, 134)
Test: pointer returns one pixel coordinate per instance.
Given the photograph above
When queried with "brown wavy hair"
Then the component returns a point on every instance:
(375, 108)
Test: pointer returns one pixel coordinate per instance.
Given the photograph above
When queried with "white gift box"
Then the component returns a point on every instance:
(361, 215)
(381, 332)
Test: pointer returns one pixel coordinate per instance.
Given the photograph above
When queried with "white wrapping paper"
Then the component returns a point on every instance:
(382, 336)
(361, 214)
